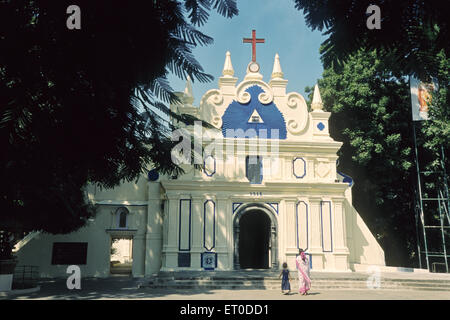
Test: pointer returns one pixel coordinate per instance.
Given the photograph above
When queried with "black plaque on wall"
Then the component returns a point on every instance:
(69, 253)
(184, 259)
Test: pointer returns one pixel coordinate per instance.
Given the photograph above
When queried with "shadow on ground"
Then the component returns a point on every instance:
(106, 288)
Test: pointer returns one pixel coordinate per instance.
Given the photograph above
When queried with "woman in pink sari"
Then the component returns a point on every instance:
(304, 280)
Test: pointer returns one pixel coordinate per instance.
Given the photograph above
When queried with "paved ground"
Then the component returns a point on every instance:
(126, 288)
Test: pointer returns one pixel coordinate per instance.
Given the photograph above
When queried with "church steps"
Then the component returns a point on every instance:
(322, 284)
(272, 283)
(318, 282)
(277, 287)
(295, 279)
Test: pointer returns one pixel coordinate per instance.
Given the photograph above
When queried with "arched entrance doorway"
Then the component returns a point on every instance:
(255, 238)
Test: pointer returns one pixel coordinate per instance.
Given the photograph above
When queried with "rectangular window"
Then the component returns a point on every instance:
(67, 253)
(254, 169)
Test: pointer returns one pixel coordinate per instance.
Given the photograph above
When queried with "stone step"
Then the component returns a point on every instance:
(269, 280)
(275, 284)
(316, 280)
(238, 280)
(206, 278)
(334, 285)
(314, 287)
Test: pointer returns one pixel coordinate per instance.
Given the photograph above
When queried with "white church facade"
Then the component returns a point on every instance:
(267, 186)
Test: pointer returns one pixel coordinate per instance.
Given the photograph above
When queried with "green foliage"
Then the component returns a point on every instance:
(72, 101)
(412, 32)
(365, 86)
(371, 115)
(437, 131)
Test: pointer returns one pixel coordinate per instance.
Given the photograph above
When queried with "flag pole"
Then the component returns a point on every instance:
(420, 196)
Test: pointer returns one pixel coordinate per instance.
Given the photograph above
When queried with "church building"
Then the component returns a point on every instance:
(266, 185)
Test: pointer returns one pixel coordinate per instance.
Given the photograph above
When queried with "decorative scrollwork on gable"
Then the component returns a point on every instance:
(244, 97)
(212, 96)
(211, 101)
(265, 98)
(297, 117)
(293, 126)
(216, 121)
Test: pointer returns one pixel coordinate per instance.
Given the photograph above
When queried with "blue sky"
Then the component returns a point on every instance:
(284, 30)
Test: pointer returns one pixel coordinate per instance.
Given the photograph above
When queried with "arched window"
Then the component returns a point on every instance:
(122, 218)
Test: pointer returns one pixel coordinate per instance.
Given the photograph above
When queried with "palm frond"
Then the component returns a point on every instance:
(226, 8)
(182, 62)
(198, 11)
(191, 35)
(161, 88)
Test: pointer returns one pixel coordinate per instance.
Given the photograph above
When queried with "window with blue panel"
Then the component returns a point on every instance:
(254, 169)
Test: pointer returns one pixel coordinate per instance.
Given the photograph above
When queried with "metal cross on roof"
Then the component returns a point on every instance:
(253, 41)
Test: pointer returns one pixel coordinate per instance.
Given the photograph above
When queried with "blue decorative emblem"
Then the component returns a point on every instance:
(262, 118)
(209, 260)
(153, 175)
(321, 126)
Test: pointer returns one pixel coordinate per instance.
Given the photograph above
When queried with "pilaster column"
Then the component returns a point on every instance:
(274, 247)
(290, 235)
(341, 251)
(316, 234)
(170, 250)
(154, 236)
(197, 231)
(229, 232)
(221, 232)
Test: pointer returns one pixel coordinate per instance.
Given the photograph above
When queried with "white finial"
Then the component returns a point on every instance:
(188, 92)
(276, 72)
(317, 100)
(228, 67)
(188, 88)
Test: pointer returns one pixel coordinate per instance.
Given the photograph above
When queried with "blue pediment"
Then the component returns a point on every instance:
(243, 116)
